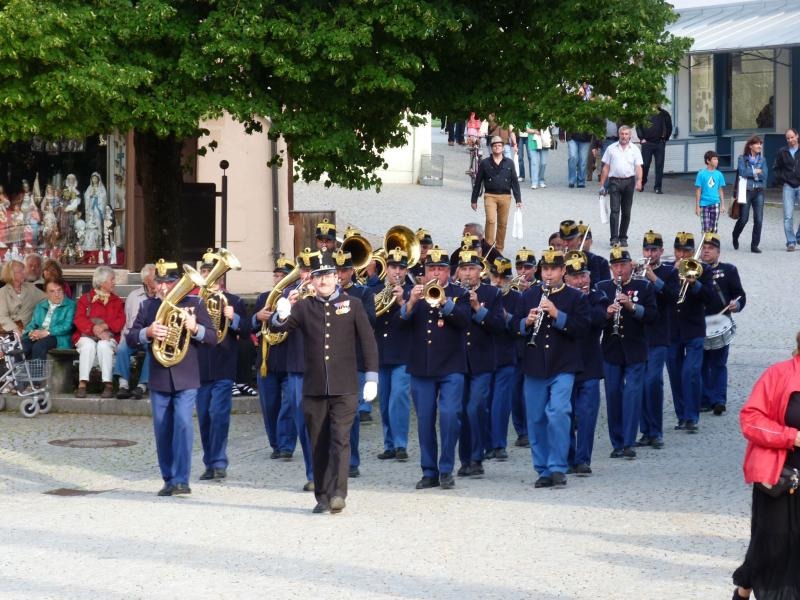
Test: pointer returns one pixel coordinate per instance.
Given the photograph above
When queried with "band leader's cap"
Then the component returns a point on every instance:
(322, 262)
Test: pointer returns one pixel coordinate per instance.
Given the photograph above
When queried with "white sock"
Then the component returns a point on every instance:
(123, 383)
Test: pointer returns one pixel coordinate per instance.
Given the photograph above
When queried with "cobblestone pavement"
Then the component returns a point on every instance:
(673, 523)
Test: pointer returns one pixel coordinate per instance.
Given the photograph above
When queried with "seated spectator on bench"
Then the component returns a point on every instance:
(33, 269)
(99, 319)
(51, 325)
(122, 364)
(18, 298)
(52, 270)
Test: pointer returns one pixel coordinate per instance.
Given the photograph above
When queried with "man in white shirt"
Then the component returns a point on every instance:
(122, 361)
(622, 169)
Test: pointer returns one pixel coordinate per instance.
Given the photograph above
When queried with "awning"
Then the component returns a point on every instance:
(741, 26)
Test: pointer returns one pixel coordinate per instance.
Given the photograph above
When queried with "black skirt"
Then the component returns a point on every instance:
(772, 563)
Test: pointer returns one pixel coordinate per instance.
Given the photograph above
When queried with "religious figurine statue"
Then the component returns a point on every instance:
(80, 229)
(25, 197)
(71, 196)
(108, 228)
(17, 224)
(95, 201)
(32, 220)
(49, 223)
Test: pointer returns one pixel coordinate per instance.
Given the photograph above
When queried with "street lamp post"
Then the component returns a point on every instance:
(223, 194)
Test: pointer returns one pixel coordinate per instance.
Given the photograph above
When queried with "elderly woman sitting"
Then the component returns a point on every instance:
(99, 318)
(51, 324)
(18, 298)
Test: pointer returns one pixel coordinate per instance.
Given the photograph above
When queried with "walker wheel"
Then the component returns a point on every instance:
(44, 403)
(29, 407)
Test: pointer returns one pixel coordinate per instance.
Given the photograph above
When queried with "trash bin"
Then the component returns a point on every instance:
(431, 169)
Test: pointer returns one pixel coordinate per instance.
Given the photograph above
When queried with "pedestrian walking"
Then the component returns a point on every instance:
(753, 167)
(787, 173)
(621, 175)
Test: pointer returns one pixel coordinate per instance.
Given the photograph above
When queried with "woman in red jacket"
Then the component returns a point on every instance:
(99, 318)
(770, 420)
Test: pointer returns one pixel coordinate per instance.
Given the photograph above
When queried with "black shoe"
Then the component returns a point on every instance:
(571, 185)
(286, 455)
(735, 243)
(488, 455)
(559, 479)
(658, 191)
(401, 454)
(523, 442)
(500, 454)
(447, 482)
(755, 250)
(581, 185)
(680, 426)
(337, 504)
(476, 470)
(629, 453)
(656, 443)
(387, 454)
(427, 483)
(463, 471)
(582, 470)
(644, 441)
(543, 482)
(365, 417)
(138, 392)
(220, 473)
(616, 454)
(354, 472)
(719, 409)
(207, 474)
(309, 486)
(167, 490)
(123, 393)
(691, 427)
(321, 507)
(181, 488)
(275, 454)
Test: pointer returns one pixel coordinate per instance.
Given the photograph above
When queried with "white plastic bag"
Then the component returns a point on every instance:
(516, 228)
(741, 191)
(602, 201)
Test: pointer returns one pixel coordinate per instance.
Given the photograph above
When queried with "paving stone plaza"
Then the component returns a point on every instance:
(672, 524)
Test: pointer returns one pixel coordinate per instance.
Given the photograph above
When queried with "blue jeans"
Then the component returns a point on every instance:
(578, 154)
(355, 429)
(394, 388)
(428, 393)
(122, 363)
(174, 431)
(538, 160)
(474, 418)
(547, 402)
(585, 408)
(624, 386)
(214, 403)
(791, 195)
(684, 365)
(502, 391)
(295, 391)
(518, 417)
(715, 377)
(277, 410)
(652, 424)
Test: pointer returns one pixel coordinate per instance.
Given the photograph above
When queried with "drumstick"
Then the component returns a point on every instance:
(724, 310)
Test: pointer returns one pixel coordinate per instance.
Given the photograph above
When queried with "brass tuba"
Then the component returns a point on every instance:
(172, 349)
(216, 301)
(401, 237)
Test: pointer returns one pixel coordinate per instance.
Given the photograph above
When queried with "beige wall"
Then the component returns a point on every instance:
(250, 209)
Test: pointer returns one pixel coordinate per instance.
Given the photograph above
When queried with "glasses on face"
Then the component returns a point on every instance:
(55, 291)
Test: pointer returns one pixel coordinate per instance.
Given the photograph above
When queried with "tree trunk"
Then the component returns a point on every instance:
(159, 173)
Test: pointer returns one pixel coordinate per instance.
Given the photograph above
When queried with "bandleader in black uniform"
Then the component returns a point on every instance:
(332, 324)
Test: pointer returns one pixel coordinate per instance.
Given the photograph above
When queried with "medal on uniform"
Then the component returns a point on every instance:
(440, 323)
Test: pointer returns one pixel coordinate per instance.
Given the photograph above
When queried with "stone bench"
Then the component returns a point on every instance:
(63, 370)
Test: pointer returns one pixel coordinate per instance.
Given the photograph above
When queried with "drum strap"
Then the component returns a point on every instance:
(719, 293)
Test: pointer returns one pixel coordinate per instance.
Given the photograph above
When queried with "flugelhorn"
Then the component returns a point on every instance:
(433, 292)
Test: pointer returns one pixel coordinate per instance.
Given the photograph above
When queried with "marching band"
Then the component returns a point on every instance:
(462, 336)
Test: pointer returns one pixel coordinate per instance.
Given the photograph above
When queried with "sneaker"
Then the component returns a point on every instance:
(542, 185)
(658, 191)
(581, 185)
(275, 454)
(790, 248)
(247, 390)
(534, 186)
(235, 391)
(488, 455)
(463, 471)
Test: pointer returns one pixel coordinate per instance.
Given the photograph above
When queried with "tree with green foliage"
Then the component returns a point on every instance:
(336, 79)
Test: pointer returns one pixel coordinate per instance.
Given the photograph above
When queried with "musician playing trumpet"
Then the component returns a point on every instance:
(550, 361)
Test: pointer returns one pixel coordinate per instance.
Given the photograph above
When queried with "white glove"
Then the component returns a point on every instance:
(370, 391)
(283, 308)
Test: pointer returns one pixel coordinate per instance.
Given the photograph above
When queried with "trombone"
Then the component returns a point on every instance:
(689, 267)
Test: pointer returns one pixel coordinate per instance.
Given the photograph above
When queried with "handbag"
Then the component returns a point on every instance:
(735, 210)
(789, 481)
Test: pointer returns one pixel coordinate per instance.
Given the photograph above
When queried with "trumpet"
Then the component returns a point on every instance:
(546, 289)
(618, 314)
(433, 292)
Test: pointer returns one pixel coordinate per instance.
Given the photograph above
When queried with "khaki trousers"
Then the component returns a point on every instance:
(497, 207)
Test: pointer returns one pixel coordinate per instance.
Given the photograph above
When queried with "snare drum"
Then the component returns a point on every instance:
(720, 331)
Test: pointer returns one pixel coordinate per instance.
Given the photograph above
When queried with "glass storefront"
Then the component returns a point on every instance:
(751, 90)
(701, 84)
(64, 200)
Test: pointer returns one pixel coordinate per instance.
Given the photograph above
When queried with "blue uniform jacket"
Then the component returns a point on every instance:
(590, 345)
(437, 335)
(631, 345)
(724, 285)
(486, 323)
(220, 361)
(558, 343)
(186, 374)
(598, 268)
(508, 343)
(666, 289)
(393, 335)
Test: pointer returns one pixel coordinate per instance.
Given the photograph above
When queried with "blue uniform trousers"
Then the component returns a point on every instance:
(474, 417)
(518, 418)
(172, 424)
(547, 404)
(214, 403)
(295, 390)
(585, 407)
(624, 387)
(685, 374)
(446, 393)
(122, 363)
(501, 399)
(394, 388)
(715, 377)
(652, 423)
(355, 429)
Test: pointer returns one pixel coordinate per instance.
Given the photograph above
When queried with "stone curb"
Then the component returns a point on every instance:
(112, 406)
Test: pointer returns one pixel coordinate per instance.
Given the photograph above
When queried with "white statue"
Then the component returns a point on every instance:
(95, 202)
(71, 196)
(108, 229)
(80, 229)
